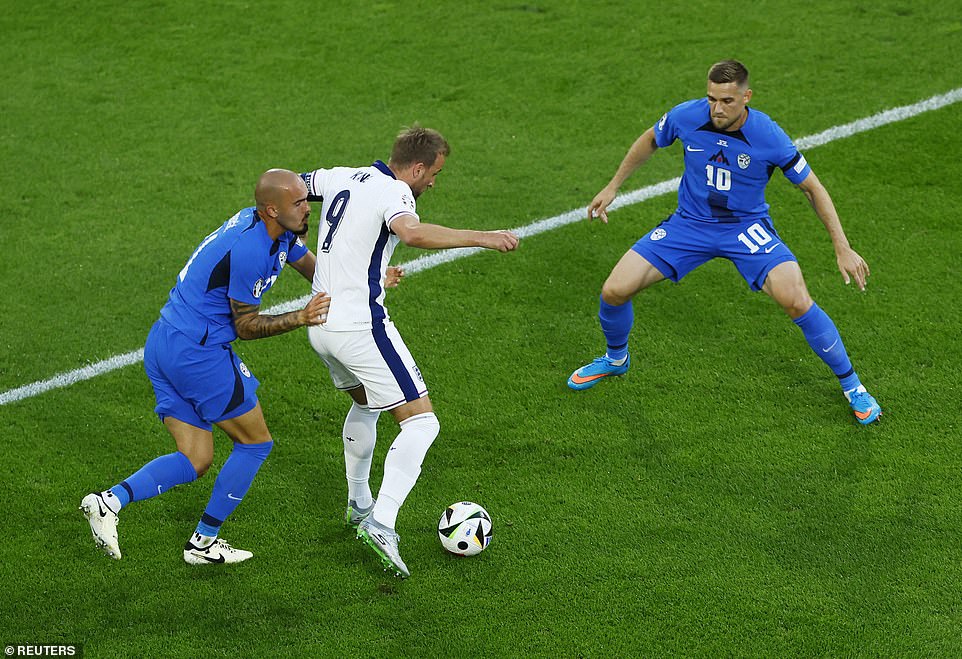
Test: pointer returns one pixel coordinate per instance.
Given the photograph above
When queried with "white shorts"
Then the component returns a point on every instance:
(376, 358)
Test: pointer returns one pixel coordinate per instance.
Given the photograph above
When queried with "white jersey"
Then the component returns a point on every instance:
(355, 242)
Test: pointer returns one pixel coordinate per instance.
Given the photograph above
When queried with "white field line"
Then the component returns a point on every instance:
(437, 258)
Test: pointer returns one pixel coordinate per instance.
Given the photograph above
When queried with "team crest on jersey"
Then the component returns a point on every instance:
(744, 160)
(658, 234)
(243, 369)
(719, 158)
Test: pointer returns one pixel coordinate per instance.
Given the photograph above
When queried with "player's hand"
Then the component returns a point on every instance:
(852, 266)
(503, 241)
(599, 205)
(393, 276)
(315, 312)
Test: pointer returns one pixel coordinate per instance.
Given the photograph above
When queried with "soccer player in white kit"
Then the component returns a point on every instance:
(367, 211)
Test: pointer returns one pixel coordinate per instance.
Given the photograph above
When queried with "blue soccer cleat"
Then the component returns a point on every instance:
(866, 408)
(590, 374)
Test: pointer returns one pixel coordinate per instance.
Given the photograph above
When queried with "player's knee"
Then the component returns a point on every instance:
(419, 433)
(798, 304)
(201, 463)
(261, 449)
(614, 294)
(426, 424)
(433, 423)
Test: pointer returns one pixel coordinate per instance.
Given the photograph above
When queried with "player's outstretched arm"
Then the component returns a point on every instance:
(415, 233)
(850, 264)
(251, 324)
(637, 155)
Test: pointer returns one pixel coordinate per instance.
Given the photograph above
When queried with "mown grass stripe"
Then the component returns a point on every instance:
(435, 259)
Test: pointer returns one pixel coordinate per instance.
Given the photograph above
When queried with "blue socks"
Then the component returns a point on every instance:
(616, 324)
(232, 483)
(155, 477)
(819, 330)
(825, 341)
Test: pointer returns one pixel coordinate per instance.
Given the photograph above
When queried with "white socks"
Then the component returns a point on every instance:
(359, 435)
(617, 362)
(202, 541)
(403, 465)
(848, 394)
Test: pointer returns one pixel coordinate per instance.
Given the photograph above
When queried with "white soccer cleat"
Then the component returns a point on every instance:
(216, 552)
(103, 523)
(354, 515)
(384, 542)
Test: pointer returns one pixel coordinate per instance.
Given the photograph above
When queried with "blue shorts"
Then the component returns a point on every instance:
(679, 245)
(196, 384)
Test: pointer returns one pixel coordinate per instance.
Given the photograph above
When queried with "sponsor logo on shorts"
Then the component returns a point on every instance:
(243, 369)
(744, 160)
(658, 234)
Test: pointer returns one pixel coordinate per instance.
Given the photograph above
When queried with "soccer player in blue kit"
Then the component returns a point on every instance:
(198, 380)
(730, 154)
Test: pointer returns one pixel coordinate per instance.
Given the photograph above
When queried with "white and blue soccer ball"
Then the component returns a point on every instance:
(465, 528)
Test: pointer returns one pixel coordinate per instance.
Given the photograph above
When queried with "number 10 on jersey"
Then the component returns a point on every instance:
(757, 236)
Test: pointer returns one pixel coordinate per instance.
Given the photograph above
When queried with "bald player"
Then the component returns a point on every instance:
(199, 381)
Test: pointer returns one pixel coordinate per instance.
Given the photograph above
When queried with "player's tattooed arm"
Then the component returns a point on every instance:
(251, 324)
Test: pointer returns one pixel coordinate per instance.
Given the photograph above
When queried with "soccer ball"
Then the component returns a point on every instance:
(465, 528)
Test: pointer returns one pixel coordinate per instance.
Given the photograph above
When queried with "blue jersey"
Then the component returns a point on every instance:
(238, 261)
(726, 172)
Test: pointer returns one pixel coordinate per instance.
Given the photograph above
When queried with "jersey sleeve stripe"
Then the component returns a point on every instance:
(393, 217)
(309, 182)
(791, 163)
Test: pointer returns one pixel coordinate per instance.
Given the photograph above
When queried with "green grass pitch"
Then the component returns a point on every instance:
(719, 500)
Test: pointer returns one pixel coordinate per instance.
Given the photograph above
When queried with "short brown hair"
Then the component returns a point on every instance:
(419, 144)
(729, 70)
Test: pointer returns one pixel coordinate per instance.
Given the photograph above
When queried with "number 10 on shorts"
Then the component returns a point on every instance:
(757, 236)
